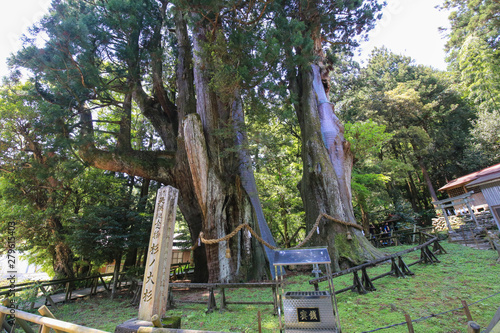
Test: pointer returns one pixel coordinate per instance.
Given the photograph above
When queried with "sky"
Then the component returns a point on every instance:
(408, 27)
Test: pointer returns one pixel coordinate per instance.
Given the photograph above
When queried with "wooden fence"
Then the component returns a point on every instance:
(223, 287)
(399, 237)
(361, 284)
(178, 271)
(46, 322)
(68, 285)
(398, 267)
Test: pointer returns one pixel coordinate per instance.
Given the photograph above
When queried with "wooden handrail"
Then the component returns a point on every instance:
(47, 323)
(45, 283)
(221, 285)
(375, 262)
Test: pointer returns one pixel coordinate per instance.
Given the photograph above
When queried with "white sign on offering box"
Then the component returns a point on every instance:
(157, 270)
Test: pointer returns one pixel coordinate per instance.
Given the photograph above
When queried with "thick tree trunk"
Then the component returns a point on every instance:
(325, 186)
(63, 261)
(222, 180)
(62, 256)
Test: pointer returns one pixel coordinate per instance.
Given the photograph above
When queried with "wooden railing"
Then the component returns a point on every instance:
(67, 284)
(223, 287)
(21, 318)
(399, 237)
(398, 267)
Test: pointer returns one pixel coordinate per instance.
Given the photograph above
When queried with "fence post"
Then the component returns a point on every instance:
(409, 323)
(44, 311)
(473, 327)
(467, 311)
(222, 299)
(2, 316)
(211, 305)
(47, 297)
(103, 282)
(3, 323)
(22, 323)
(45, 329)
(259, 321)
(68, 292)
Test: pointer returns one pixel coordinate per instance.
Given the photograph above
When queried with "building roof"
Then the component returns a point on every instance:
(472, 177)
(492, 177)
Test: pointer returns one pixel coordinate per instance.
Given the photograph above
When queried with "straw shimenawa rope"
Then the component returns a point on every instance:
(246, 226)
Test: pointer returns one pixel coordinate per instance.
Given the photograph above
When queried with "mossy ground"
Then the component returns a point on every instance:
(463, 274)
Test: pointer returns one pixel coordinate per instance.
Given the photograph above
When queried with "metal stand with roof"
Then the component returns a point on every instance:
(306, 311)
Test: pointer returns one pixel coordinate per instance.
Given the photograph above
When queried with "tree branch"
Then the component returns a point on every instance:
(156, 165)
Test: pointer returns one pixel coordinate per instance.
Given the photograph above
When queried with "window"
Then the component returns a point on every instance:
(176, 257)
(455, 192)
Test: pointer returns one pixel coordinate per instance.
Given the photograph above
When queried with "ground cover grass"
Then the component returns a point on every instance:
(463, 274)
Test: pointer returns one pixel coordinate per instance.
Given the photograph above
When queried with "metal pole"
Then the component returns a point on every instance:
(279, 286)
(333, 297)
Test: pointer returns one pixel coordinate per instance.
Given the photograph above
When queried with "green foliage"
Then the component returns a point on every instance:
(366, 138)
(473, 55)
(425, 117)
(104, 232)
(42, 184)
(278, 171)
(486, 137)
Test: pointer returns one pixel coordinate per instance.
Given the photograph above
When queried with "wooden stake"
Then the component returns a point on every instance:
(473, 327)
(466, 309)
(47, 297)
(156, 321)
(44, 311)
(24, 325)
(409, 323)
(259, 321)
(5, 302)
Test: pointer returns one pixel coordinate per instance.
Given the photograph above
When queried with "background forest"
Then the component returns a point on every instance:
(411, 128)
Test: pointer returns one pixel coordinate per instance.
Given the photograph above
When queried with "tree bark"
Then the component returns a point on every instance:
(427, 179)
(116, 274)
(327, 164)
(63, 261)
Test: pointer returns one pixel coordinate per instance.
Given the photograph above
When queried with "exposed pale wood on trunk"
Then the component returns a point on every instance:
(196, 150)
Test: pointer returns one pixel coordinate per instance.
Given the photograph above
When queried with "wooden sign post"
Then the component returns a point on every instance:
(157, 272)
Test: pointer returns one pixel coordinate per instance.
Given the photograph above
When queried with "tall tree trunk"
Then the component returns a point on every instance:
(63, 261)
(218, 183)
(325, 186)
(116, 274)
(428, 181)
(364, 214)
(62, 256)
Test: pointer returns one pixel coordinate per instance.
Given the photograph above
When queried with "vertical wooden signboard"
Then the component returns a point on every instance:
(157, 271)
